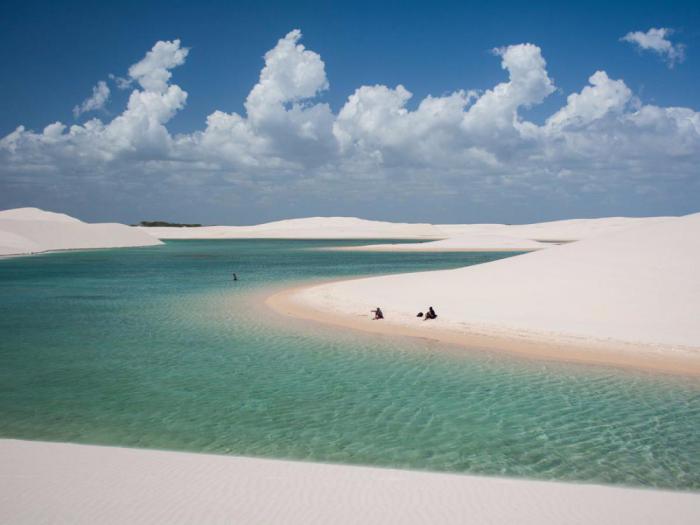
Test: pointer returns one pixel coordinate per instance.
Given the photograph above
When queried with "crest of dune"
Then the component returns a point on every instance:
(24, 231)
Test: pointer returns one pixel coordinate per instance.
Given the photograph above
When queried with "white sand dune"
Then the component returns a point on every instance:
(13, 243)
(354, 228)
(454, 230)
(62, 483)
(552, 231)
(460, 243)
(519, 237)
(447, 237)
(638, 285)
(30, 230)
(577, 229)
(36, 214)
(307, 228)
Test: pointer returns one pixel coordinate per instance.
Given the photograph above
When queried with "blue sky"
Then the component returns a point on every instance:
(53, 53)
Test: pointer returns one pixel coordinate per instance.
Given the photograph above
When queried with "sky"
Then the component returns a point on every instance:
(240, 113)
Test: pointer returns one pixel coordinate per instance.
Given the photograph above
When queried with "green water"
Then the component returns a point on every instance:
(157, 347)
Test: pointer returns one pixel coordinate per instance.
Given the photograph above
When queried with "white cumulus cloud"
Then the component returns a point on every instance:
(602, 97)
(474, 147)
(153, 71)
(656, 40)
(98, 99)
(282, 129)
(139, 132)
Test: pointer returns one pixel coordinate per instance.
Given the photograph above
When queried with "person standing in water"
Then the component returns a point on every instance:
(235, 277)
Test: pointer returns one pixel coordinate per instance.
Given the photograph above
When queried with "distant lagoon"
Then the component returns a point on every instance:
(159, 348)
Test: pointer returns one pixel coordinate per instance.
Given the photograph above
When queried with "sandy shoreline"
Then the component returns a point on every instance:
(525, 344)
(627, 298)
(416, 248)
(469, 242)
(64, 483)
(68, 250)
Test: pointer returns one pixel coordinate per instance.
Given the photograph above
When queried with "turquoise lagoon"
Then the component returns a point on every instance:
(158, 348)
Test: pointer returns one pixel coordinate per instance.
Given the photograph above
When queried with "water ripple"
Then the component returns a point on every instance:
(155, 348)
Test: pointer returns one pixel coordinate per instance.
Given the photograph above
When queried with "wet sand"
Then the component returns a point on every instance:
(549, 347)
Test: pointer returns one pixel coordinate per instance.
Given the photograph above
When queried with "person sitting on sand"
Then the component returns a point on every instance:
(378, 314)
(430, 314)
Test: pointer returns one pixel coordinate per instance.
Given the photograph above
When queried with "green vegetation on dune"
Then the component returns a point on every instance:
(151, 224)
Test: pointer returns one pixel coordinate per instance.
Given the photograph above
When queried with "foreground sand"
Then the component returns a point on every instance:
(628, 298)
(63, 483)
(25, 231)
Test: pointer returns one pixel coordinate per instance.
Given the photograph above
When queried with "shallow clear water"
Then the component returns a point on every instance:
(157, 347)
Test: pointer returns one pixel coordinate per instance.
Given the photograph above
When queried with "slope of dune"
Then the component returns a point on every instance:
(520, 237)
(13, 243)
(29, 230)
(307, 228)
(460, 243)
(36, 214)
(551, 231)
(577, 229)
(451, 237)
(63, 483)
(636, 285)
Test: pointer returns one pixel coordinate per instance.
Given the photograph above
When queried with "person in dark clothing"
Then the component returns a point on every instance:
(430, 314)
(378, 314)
(235, 277)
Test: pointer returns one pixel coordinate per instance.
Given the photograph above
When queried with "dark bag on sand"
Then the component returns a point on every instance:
(420, 314)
